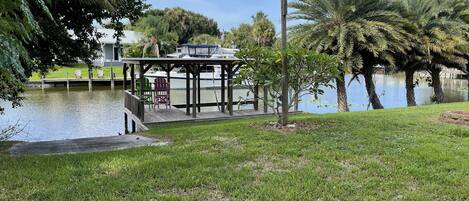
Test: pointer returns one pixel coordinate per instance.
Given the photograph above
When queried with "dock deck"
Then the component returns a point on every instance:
(159, 116)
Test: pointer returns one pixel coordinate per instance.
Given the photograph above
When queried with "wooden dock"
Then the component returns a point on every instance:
(63, 82)
(159, 116)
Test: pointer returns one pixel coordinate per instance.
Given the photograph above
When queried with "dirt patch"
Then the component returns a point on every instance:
(292, 127)
(455, 117)
(208, 194)
(229, 141)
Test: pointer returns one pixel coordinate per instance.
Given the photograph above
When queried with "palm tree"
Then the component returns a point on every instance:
(461, 11)
(440, 42)
(362, 33)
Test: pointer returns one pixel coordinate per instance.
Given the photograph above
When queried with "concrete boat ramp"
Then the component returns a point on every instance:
(84, 145)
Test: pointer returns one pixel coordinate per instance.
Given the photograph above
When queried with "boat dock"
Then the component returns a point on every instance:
(63, 82)
(141, 113)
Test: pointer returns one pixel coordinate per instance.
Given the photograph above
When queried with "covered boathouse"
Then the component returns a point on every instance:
(141, 116)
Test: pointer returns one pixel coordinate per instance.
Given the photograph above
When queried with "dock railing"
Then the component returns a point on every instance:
(134, 105)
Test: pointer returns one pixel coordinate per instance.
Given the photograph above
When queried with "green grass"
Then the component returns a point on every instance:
(62, 71)
(396, 154)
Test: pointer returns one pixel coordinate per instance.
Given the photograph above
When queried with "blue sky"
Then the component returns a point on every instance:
(228, 13)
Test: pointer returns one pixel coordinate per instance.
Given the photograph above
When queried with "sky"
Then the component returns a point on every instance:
(228, 13)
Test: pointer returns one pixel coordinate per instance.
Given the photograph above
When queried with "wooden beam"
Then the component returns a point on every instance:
(142, 82)
(194, 91)
(126, 124)
(168, 80)
(188, 88)
(230, 89)
(198, 88)
(214, 104)
(147, 68)
(124, 70)
(223, 88)
(132, 78)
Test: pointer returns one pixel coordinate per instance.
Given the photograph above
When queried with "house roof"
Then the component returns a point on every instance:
(128, 38)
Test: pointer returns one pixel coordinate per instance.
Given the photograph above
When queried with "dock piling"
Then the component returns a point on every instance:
(112, 77)
(42, 82)
(68, 83)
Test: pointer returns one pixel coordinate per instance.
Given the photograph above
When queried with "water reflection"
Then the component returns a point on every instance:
(60, 114)
(390, 88)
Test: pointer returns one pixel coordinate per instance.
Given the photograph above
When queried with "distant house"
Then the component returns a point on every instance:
(109, 54)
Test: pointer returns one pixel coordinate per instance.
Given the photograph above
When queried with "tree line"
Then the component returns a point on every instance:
(403, 35)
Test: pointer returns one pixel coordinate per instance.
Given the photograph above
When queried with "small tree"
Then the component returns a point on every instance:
(309, 72)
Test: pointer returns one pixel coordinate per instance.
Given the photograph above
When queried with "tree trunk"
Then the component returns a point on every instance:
(436, 84)
(296, 100)
(410, 86)
(467, 77)
(370, 88)
(341, 93)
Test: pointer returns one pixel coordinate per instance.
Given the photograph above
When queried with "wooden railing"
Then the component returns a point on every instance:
(134, 105)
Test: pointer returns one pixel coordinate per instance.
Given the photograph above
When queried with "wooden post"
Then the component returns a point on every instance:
(112, 77)
(132, 78)
(90, 79)
(168, 80)
(42, 82)
(284, 13)
(223, 88)
(198, 89)
(142, 81)
(230, 89)
(126, 124)
(194, 91)
(256, 97)
(68, 83)
(188, 88)
(134, 127)
(124, 70)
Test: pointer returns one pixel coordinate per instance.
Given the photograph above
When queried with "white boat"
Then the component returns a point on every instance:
(210, 75)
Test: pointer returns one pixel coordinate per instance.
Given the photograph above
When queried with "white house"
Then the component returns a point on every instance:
(110, 55)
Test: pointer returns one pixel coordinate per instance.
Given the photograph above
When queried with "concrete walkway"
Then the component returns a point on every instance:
(84, 145)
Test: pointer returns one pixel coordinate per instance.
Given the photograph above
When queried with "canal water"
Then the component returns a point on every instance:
(58, 113)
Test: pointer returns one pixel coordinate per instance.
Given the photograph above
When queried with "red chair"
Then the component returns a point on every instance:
(162, 93)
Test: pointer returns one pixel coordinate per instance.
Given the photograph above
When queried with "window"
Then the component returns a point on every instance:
(116, 54)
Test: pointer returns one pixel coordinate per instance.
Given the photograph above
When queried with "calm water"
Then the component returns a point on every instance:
(56, 114)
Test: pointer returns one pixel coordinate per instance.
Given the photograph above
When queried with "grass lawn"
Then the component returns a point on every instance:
(61, 72)
(396, 154)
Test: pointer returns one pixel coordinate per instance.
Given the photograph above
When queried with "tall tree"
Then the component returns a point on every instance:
(242, 36)
(39, 34)
(461, 11)
(362, 33)
(263, 30)
(185, 23)
(18, 28)
(440, 42)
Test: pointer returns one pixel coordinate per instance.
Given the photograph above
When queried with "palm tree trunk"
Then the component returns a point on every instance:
(371, 89)
(436, 84)
(410, 86)
(341, 93)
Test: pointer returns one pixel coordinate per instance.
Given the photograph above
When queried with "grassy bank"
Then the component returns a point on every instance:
(400, 154)
(64, 71)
